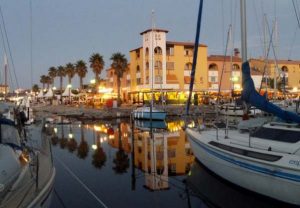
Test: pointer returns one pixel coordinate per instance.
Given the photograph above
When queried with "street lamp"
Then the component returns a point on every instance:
(93, 81)
(69, 86)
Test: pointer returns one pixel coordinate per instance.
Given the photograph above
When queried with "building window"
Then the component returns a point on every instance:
(170, 65)
(213, 67)
(137, 54)
(157, 36)
(158, 50)
(158, 64)
(235, 67)
(284, 69)
(188, 51)
(147, 65)
(147, 52)
(188, 66)
(172, 167)
(171, 153)
(212, 79)
(137, 69)
(138, 81)
(170, 50)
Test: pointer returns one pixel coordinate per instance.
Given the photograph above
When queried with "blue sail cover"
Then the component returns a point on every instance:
(251, 96)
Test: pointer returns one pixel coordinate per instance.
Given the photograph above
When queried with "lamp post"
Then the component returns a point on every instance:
(53, 90)
(93, 82)
(69, 86)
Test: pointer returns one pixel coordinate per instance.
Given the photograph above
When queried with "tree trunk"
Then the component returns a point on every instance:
(80, 82)
(70, 80)
(97, 78)
(119, 91)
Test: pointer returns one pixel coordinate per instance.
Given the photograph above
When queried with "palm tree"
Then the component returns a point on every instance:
(48, 81)
(83, 148)
(97, 64)
(119, 64)
(35, 88)
(70, 71)
(61, 72)
(121, 159)
(43, 80)
(81, 70)
(52, 72)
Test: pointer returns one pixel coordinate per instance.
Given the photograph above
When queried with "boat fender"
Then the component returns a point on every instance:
(270, 149)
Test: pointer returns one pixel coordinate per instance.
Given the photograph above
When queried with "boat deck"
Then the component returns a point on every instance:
(29, 192)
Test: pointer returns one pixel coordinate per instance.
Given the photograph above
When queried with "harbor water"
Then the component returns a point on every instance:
(118, 163)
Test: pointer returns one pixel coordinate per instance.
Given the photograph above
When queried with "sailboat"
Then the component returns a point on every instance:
(150, 112)
(264, 159)
(26, 163)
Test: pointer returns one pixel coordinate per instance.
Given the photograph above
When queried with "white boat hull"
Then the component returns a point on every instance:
(269, 180)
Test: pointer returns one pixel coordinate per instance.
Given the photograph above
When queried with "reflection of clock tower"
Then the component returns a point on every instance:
(157, 176)
(154, 57)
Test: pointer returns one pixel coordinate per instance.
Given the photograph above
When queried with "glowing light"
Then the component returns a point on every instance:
(97, 128)
(55, 130)
(94, 147)
(295, 89)
(101, 140)
(53, 88)
(69, 86)
(93, 81)
(235, 78)
(70, 136)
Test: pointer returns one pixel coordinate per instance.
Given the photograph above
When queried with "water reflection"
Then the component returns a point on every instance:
(161, 153)
(121, 159)
(83, 148)
(159, 160)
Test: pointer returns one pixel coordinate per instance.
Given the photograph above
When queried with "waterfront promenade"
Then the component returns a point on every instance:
(112, 113)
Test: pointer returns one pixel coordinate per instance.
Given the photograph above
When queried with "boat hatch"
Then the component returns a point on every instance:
(247, 153)
(275, 134)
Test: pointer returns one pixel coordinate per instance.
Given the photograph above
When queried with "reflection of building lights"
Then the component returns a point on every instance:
(79, 125)
(101, 140)
(105, 138)
(237, 87)
(70, 136)
(94, 147)
(191, 125)
(55, 130)
(235, 78)
(46, 125)
(97, 128)
(111, 136)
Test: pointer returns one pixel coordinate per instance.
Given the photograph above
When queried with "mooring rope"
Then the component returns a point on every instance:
(80, 182)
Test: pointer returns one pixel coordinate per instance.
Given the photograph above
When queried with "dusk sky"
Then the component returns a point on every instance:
(68, 30)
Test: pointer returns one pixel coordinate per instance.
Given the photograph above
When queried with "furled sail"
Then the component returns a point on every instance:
(251, 96)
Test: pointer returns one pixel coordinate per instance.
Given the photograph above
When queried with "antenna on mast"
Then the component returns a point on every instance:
(5, 76)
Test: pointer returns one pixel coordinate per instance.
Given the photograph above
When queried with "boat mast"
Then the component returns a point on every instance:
(243, 30)
(194, 57)
(5, 76)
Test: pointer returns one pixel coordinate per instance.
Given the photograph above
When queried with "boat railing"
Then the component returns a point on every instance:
(220, 125)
